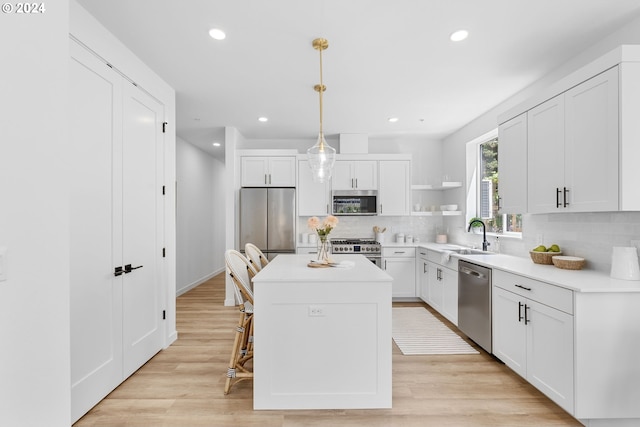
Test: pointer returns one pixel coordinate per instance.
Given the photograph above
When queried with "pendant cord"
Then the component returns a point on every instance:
(322, 88)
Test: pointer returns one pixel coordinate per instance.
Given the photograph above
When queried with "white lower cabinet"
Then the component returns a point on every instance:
(533, 334)
(422, 274)
(443, 291)
(400, 263)
(441, 285)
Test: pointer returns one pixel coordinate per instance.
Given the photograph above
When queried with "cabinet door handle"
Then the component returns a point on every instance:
(424, 267)
(557, 197)
(398, 252)
(520, 317)
(118, 271)
(526, 318)
(265, 179)
(356, 182)
(523, 287)
(565, 197)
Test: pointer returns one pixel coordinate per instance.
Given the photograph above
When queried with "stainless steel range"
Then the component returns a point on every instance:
(367, 247)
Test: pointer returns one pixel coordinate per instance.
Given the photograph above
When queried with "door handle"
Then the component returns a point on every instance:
(526, 318)
(520, 317)
(565, 197)
(118, 271)
(128, 268)
(557, 197)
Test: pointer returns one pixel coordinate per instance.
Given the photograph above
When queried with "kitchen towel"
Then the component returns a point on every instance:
(416, 331)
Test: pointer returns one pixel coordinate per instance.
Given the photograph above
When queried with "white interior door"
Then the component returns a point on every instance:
(142, 226)
(116, 220)
(96, 293)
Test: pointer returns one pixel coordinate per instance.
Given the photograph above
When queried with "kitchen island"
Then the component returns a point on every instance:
(322, 336)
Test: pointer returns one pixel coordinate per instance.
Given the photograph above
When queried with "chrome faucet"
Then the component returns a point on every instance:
(485, 244)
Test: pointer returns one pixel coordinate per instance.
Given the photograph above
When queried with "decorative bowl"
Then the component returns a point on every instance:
(543, 257)
(568, 262)
(448, 207)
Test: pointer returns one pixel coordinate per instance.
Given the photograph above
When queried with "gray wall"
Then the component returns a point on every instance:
(199, 216)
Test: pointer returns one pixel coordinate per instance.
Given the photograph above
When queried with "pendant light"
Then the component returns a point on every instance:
(321, 156)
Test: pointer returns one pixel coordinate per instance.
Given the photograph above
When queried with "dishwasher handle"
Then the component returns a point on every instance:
(471, 272)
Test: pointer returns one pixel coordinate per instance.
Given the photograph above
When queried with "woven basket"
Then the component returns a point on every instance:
(543, 257)
(568, 262)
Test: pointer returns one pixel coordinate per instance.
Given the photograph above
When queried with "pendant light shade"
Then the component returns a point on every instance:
(321, 156)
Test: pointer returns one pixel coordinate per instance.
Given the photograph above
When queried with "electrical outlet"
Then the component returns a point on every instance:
(316, 311)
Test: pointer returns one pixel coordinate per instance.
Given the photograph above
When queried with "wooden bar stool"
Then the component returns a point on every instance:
(241, 271)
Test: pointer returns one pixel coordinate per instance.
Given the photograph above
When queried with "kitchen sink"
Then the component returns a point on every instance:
(466, 251)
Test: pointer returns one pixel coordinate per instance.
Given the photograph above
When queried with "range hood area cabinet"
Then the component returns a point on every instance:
(390, 177)
(395, 182)
(580, 142)
(314, 198)
(355, 175)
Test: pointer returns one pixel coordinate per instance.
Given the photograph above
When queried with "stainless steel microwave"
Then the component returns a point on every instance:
(354, 202)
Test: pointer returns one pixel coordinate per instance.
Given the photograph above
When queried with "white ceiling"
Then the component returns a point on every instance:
(385, 58)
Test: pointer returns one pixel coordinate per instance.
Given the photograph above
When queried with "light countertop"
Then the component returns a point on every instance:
(576, 280)
(293, 268)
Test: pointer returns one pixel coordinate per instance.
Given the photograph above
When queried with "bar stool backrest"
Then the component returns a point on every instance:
(255, 255)
(241, 272)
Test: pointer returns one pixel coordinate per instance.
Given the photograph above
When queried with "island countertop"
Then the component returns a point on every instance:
(294, 268)
(322, 336)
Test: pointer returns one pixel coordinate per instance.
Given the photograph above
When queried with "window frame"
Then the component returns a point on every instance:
(474, 179)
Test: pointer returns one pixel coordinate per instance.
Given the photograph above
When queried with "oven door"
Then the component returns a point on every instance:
(376, 259)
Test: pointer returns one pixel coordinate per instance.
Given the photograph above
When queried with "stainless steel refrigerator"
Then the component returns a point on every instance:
(267, 219)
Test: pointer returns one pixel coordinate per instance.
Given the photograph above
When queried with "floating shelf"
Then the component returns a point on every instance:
(445, 186)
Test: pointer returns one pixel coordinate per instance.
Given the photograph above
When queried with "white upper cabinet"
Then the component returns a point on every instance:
(512, 164)
(545, 150)
(573, 149)
(395, 187)
(267, 171)
(313, 197)
(355, 175)
(591, 143)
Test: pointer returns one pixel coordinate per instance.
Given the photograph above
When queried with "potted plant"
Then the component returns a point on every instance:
(476, 227)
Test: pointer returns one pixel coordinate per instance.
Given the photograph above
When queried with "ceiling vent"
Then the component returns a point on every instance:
(354, 143)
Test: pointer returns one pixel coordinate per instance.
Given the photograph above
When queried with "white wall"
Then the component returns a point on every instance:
(588, 235)
(34, 218)
(200, 216)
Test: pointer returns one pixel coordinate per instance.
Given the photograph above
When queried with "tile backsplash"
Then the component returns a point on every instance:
(588, 235)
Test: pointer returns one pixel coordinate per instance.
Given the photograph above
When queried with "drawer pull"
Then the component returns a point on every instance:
(526, 318)
(523, 287)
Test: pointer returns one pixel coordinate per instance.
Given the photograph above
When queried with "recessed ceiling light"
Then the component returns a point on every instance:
(393, 119)
(216, 144)
(459, 35)
(217, 34)
(263, 119)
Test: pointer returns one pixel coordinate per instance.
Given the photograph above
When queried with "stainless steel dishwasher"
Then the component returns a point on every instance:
(474, 303)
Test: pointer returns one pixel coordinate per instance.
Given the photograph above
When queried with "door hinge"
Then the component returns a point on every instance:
(164, 127)
(164, 252)
(164, 314)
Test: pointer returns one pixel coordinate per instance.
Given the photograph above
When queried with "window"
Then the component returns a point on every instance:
(488, 196)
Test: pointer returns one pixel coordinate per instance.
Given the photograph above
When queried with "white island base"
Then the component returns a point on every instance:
(322, 336)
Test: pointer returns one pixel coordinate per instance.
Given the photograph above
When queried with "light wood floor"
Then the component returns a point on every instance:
(182, 385)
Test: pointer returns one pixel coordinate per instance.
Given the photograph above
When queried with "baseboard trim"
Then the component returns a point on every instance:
(198, 282)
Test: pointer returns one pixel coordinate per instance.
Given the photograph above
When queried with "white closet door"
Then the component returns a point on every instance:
(96, 294)
(142, 226)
